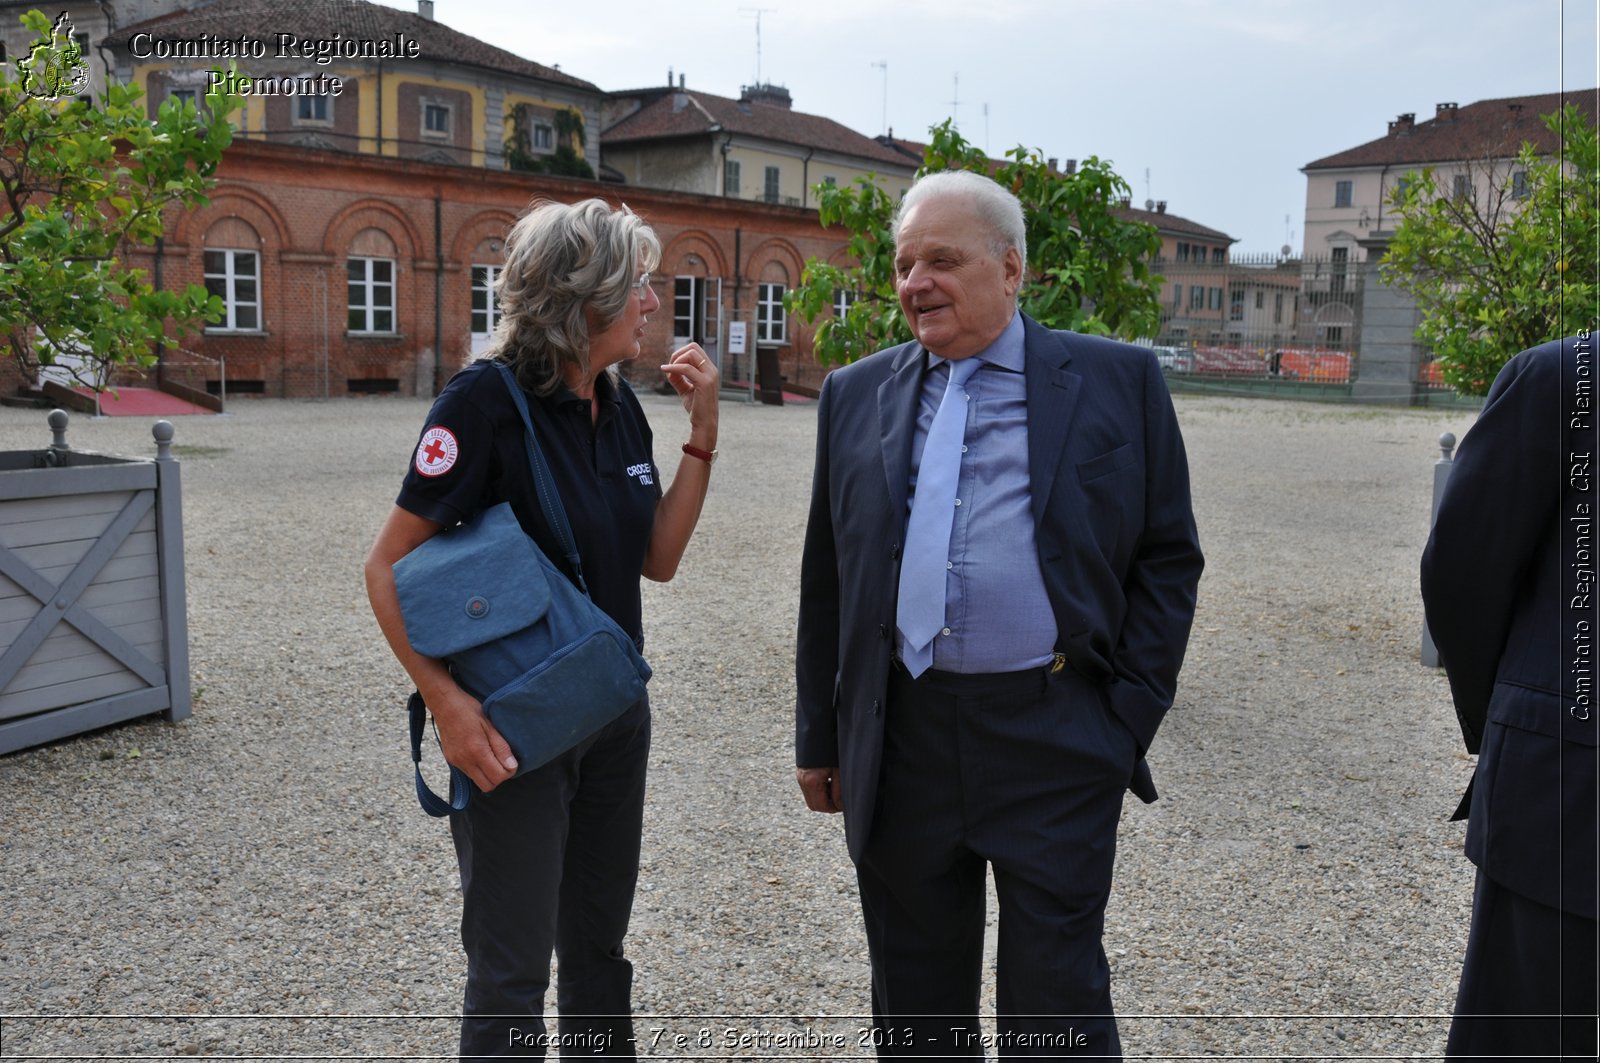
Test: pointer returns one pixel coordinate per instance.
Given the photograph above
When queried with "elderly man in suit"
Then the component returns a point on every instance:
(996, 592)
(1509, 585)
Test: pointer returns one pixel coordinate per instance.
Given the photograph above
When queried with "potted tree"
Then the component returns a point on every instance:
(91, 562)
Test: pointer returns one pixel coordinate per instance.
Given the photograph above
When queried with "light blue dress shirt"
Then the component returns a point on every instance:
(997, 614)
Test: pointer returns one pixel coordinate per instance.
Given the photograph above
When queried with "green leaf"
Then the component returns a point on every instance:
(81, 184)
(1079, 253)
(1495, 275)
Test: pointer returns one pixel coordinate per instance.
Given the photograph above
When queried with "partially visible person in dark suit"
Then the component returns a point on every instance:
(997, 586)
(1509, 586)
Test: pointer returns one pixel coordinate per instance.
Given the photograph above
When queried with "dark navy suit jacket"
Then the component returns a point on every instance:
(1113, 527)
(1508, 582)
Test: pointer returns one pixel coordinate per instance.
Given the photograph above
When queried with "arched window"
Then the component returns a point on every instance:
(232, 264)
(772, 322)
(370, 273)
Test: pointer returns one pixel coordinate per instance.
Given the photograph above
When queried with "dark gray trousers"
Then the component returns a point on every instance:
(1023, 773)
(1528, 985)
(549, 862)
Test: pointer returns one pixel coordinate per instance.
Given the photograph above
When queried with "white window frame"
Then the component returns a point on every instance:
(376, 296)
(843, 300)
(314, 102)
(429, 108)
(230, 275)
(484, 276)
(685, 296)
(772, 322)
(542, 137)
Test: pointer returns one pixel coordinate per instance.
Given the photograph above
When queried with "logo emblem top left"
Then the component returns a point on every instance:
(437, 452)
(55, 69)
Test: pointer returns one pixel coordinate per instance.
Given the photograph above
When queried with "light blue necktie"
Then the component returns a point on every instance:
(927, 554)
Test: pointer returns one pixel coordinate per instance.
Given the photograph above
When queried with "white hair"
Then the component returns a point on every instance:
(1000, 210)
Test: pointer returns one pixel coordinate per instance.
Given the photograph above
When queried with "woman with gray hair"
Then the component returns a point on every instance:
(549, 858)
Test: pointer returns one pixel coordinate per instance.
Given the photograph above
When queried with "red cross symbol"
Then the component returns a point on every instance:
(437, 452)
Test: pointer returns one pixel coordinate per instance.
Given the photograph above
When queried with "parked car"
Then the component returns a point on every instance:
(1175, 359)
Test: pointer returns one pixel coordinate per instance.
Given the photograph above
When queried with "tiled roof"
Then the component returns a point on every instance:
(689, 113)
(913, 150)
(1486, 129)
(316, 20)
(1171, 224)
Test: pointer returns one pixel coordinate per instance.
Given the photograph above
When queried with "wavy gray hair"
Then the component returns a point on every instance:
(562, 260)
(1000, 210)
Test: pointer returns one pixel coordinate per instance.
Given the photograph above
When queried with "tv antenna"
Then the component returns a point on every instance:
(757, 12)
(955, 104)
(883, 64)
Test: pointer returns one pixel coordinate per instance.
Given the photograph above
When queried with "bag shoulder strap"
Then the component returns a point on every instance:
(460, 785)
(544, 484)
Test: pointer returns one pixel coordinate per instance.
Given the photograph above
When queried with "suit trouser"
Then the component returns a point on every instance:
(1023, 772)
(1525, 959)
(549, 860)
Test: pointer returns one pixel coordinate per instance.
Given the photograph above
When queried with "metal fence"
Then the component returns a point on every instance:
(1284, 318)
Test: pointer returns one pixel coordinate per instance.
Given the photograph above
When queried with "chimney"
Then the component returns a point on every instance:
(1403, 124)
(425, 9)
(1161, 206)
(1126, 201)
(1051, 162)
(682, 78)
(1444, 112)
(669, 77)
(766, 93)
(1072, 167)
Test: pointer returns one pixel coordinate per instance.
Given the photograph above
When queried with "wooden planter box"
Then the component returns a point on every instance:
(93, 623)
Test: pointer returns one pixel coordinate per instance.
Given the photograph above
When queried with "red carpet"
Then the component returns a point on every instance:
(142, 402)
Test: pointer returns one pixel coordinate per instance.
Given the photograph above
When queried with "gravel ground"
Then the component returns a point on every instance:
(258, 880)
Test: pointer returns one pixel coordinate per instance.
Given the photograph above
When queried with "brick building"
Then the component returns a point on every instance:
(347, 273)
(356, 230)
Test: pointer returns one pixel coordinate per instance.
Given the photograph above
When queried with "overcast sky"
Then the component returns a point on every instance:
(1221, 101)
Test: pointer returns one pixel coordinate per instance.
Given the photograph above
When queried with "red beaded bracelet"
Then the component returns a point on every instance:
(707, 456)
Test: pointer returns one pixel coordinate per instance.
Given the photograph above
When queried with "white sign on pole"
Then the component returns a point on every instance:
(736, 337)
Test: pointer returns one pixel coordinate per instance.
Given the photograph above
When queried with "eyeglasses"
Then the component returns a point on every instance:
(641, 286)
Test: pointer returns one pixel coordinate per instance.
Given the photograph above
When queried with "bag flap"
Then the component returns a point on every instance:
(471, 584)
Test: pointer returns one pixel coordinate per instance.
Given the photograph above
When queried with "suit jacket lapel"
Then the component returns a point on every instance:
(1052, 397)
(897, 422)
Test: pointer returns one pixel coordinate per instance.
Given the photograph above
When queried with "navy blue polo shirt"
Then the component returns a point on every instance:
(471, 456)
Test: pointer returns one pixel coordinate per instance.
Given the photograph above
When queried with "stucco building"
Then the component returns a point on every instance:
(1471, 148)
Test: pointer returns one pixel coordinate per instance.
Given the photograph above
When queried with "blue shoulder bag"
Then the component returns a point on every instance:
(550, 667)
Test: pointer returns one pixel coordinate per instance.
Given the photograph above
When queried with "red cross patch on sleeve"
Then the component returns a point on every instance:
(437, 452)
